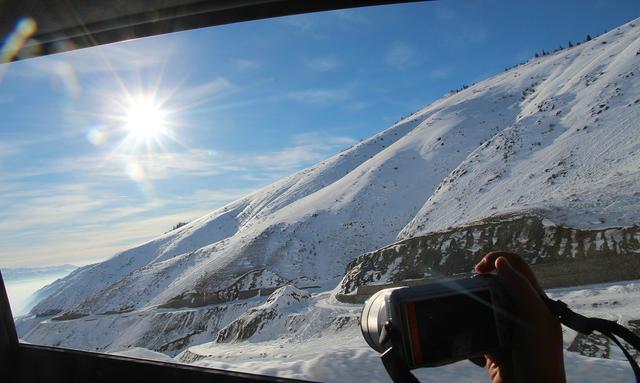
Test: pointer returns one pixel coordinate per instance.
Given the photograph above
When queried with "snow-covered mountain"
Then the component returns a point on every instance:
(559, 136)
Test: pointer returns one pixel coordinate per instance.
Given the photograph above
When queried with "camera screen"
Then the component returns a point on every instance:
(451, 327)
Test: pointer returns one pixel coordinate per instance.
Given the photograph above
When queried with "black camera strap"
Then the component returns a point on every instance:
(397, 369)
(586, 325)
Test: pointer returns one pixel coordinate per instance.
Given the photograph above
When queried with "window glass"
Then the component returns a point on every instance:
(229, 197)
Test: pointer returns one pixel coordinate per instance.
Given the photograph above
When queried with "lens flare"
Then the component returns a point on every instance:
(135, 171)
(18, 43)
(97, 137)
(23, 30)
(67, 75)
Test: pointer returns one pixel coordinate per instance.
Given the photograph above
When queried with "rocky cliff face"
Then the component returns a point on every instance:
(256, 319)
(252, 284)
(560, 255)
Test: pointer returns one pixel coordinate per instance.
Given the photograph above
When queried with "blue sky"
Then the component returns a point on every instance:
(243, 105)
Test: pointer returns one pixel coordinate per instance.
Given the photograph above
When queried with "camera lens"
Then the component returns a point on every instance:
(374, 315)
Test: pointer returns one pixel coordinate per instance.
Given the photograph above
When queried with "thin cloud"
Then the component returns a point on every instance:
(288, 158)
(80, 235)
(84, 244)
(188, 163)
(68, 70)
(204, 93)
(245, 65)
(90, 221)
(10, 146)
(319, 96)
(163, 166)
(304, 23)
(9, 150)
(464, 36)
(307, 149)
(159, 166)
(401, 56)
(119, 167)
(127, 56)
(311, 23)
(215, 197)
(322, 139)
(48, 210)
(439, 74)
(445, 15)
(304, 150)
(63, 204)
(352, 16)
(357, 106)
(322, 64)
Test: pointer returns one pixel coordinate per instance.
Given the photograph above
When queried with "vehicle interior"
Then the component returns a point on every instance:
(242, 267)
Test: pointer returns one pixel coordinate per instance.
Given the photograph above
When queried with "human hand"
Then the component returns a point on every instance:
(536, 353)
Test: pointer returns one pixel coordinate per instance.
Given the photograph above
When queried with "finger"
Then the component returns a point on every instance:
(479, 361)
(494, 373)
(487, 265)
(524, 295)
(500, 367)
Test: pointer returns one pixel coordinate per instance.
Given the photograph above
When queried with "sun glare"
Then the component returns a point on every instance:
(145, 120)
(140, 131)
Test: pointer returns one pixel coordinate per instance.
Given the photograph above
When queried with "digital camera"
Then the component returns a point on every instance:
(439, 323)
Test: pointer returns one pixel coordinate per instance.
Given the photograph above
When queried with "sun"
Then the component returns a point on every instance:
(137, 124)
(145, 120)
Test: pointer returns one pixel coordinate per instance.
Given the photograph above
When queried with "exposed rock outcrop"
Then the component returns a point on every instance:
(252, 284)
(257, 318)
(560, 256)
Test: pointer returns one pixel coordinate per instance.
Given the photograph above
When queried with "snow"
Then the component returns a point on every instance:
(339, 362)
(572, 151)
(558, 136)
(143, 353)
(344, 356)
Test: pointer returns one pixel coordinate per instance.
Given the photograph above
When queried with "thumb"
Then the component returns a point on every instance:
(525, 297)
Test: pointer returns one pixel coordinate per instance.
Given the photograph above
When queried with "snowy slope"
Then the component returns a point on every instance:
(572, 151)
(514, 142)
(347, 358)
(341, 355)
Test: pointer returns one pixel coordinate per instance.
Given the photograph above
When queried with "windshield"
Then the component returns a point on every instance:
(230, 196)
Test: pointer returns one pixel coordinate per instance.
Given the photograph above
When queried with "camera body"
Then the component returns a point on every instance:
(439, 323)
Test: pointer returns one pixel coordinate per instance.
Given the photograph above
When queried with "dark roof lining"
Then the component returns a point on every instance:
(73, 24)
